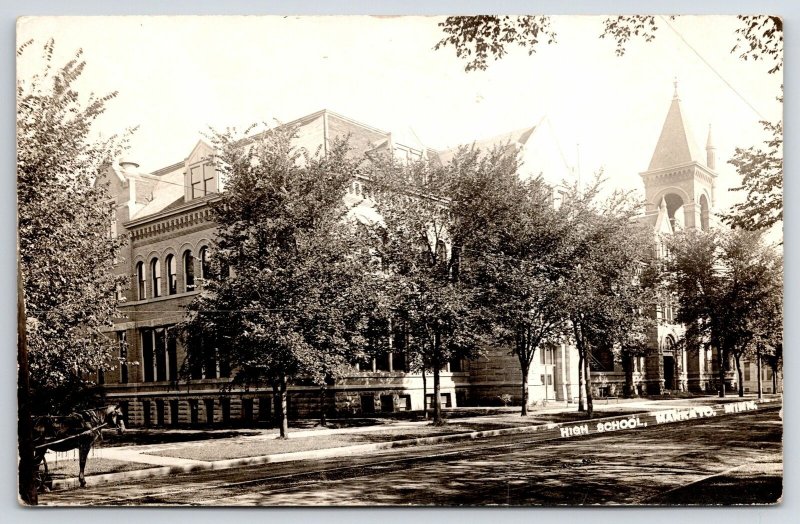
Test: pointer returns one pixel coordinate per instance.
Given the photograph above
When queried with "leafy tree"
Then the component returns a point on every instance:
(762, 180)
(476, 38)
(607, 299)
(727, 283)
(429, 221)
(292, 272)
(67, 251)
(774, 359)
(761, 38)
(634, 337)
(761, 329)
(757, 37)
(622, 29)
(764, 336)
(521, 269)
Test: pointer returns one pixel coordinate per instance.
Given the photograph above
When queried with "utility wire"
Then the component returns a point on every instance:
(707, 63)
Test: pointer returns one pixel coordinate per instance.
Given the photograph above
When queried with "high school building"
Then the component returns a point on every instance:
(167, 216)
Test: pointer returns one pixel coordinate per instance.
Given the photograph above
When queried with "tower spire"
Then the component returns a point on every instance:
(675, 145)
(711, 151)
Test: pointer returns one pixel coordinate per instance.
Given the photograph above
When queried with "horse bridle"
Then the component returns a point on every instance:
(118, 418)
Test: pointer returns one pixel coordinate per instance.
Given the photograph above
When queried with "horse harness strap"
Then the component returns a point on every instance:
(88, 431)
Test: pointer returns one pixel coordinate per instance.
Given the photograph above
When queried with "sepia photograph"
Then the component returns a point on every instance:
(436, 261)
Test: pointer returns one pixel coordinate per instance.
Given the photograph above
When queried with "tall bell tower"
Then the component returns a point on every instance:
(679, 189)
(679, 177)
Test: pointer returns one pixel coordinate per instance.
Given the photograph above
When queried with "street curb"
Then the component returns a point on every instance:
(684, 413)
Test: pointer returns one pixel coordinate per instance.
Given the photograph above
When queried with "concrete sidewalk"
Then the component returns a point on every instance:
(159, 465)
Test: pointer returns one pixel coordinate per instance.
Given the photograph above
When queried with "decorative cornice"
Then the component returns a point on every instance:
(685, 168)
(692, 170)
(174, 221)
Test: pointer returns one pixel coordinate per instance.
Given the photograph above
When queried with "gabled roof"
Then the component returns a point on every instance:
(662, 223)
(164, 190)
(657, 221)
(676, 145)
(515, 138)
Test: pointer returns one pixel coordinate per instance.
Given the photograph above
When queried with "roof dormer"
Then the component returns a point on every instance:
(200, 177)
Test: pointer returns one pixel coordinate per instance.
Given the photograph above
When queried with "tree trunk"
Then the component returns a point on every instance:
(588, 382)
(775, 380)
(276, 404)
(323, 395)
(424, 393)
(437, 405)
(721, 360)
(456, 263)
(581, 406)
(27, 468)
(739, 375)
(284, 404)
(627, 364)
(525, 369)
(758, 370)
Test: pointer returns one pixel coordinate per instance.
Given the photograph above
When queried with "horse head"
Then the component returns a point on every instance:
(115, 418)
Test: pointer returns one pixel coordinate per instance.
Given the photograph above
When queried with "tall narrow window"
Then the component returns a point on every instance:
(172, 357)
(224, 367)
(383, 362)
(210, 365)
(155, 270)
(141, 280)
(188, 270)
(160, 354)
(205, 263)
(209, 179)
(196, 368)
(122, 339)
(147, 355)
(399, 361)
(172, 275)
(196, 173)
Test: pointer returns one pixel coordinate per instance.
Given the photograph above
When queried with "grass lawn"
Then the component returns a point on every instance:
(68, 467)
(216, 450)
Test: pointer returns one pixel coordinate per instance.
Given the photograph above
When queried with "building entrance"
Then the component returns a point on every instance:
(669, 372)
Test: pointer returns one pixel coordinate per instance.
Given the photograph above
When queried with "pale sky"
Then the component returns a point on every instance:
(176, 76)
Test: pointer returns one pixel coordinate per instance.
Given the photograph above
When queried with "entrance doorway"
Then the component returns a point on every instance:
(669, 372)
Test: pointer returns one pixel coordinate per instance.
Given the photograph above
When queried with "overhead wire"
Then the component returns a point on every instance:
(712, 68)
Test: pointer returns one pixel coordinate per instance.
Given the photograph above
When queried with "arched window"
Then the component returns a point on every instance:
(205, 262)
(188, 270)
(172, 275)
(155, 271)
(141, 281)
